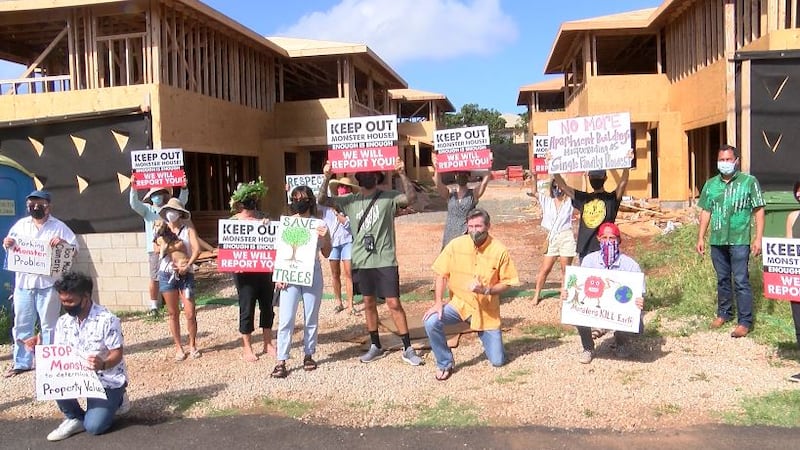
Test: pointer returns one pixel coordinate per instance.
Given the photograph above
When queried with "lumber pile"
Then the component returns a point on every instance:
(645, 217)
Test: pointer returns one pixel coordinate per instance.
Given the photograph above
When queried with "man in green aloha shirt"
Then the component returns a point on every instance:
(728, 202)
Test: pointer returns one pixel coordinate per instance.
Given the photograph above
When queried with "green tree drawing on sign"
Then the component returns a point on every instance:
(295, 237)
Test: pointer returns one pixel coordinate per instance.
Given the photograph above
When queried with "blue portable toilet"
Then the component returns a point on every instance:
(15, 185)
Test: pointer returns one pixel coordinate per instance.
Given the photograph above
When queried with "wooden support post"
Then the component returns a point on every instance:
(730, 68)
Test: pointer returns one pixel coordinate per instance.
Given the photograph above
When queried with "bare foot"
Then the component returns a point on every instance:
(271, 350)
(249, 356)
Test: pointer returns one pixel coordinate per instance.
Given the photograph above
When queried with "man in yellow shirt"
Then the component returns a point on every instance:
(477, 269)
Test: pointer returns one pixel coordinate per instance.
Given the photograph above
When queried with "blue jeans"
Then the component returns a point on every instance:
(492, 340)
(28, 305)
(730, 263)
(287, 309)
(99, 413)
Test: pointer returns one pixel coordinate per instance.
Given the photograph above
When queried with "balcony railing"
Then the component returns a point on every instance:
(56, 83)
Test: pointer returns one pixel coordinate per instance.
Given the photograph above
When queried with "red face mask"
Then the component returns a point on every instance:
(341, 190)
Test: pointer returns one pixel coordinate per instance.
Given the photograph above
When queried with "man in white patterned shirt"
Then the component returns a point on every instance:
(96, 334)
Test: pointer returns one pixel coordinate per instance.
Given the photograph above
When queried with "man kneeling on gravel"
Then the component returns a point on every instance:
(608, 257)
(94, 331)
(477, 268)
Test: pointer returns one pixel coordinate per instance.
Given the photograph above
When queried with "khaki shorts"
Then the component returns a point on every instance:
(562, 244)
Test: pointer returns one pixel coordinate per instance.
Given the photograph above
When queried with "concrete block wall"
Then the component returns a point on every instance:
(118, 264)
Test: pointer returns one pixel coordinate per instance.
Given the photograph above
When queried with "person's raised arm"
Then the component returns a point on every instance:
(441, 188)
(482, 187)
(184, 196)
(137, 205)
(323, 198)
(408, 187)
(562, 184)
(790, 220)
(623, 183)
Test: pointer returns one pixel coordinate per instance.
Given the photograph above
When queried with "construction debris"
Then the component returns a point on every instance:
(645, 217)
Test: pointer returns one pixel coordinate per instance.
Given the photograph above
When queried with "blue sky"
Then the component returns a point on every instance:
(473, 51)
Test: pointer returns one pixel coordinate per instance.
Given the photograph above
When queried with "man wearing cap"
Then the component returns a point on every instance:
(596, 207)
(609, 257)
(148, 208)
(34, 295)
(372, 211)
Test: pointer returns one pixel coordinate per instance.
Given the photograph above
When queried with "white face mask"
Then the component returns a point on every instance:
(173, 216)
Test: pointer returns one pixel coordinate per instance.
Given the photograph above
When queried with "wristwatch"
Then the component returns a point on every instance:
(487, 291)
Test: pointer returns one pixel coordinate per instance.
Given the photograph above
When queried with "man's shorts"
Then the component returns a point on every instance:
(184, 284)
(341, 252)
(153, 258)
(379, 282)
(563, 244)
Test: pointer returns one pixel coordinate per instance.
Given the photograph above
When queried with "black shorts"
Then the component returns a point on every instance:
(379, 282)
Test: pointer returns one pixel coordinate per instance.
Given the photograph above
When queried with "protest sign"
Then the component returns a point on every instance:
(246, 246)
(36, 256)
(462, 149)
(61, 374)
(781, 260)
(581, 144)
(541, 145)
(157, 168)
(314, 181)
(602, 298)
(362, 144)
(296, 250)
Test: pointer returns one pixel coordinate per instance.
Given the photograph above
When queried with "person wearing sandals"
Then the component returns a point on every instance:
(342, 239)
(792, 232)
(557, 220)
(477, 268)
(180, 288)
(303, 205)
(253, 287)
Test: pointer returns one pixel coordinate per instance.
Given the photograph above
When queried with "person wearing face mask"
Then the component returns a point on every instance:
(148, 208)
(728, 202)
(460, 201)
(253, 287)
(609, 257)
(303, 205)
(372, 211)
(180, 287)
(342, 241)
(793, 232)
(477, 269)
(34, 295)
(596, 207)
(560, 244)
(95, 333)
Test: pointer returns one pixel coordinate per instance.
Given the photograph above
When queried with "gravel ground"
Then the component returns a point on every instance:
(670, 381)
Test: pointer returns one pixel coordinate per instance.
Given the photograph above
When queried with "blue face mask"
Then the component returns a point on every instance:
(726, 167)
(158, 200)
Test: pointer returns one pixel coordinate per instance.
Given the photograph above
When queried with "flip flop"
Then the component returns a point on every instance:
(195, 354)
(444, 374)
(338, 309)
(180, 356)
(12, 372)
(279, 371)
(597, 333)
(309, 364)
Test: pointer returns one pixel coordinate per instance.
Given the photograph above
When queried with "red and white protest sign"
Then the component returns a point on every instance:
(362, 144)
(781, 260)
(61, 374)
(462, 149)
(246, 246)
(541, 145)
(157, 168)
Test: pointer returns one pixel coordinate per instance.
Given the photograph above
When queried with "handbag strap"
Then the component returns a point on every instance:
(374, 198)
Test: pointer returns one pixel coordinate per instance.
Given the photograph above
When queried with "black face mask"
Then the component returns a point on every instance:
(300, 206)
(249, 203)
(75, 310)
(597, 183)
(367, 181)
(36, 211)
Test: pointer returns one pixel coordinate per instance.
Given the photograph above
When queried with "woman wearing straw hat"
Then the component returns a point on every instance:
(181, 287)
(342, 241)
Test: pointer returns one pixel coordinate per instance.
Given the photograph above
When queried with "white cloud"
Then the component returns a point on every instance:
(405, 30)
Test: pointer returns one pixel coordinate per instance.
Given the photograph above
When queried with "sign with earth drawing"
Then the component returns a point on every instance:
(296, 250)
(601, 298)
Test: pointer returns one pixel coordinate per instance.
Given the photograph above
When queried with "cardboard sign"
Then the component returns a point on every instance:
(314, 181)
(541, 145)
(36, 256)
(781, 260)
(582, 144)
(462, 149)
(246, 246)
(602, 298)
(61, 374)
(362, 144)
(296, 250)
(157, 168)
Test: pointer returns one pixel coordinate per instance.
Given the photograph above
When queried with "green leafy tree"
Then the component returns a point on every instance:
(522, 123)
(296, 237)
(472, 115)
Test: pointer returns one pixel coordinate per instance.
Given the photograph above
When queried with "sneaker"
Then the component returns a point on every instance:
(124, 407)
(586, 357)
(409, 355)
(373, 354)
(622, 351)
(67, 428)
(795, 378)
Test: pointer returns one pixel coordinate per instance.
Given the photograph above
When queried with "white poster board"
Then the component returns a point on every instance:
(36, 256)
(296, 250)
(61, 374)
(246, 245)
(581, 144)
(601, 298)
(314, 181)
